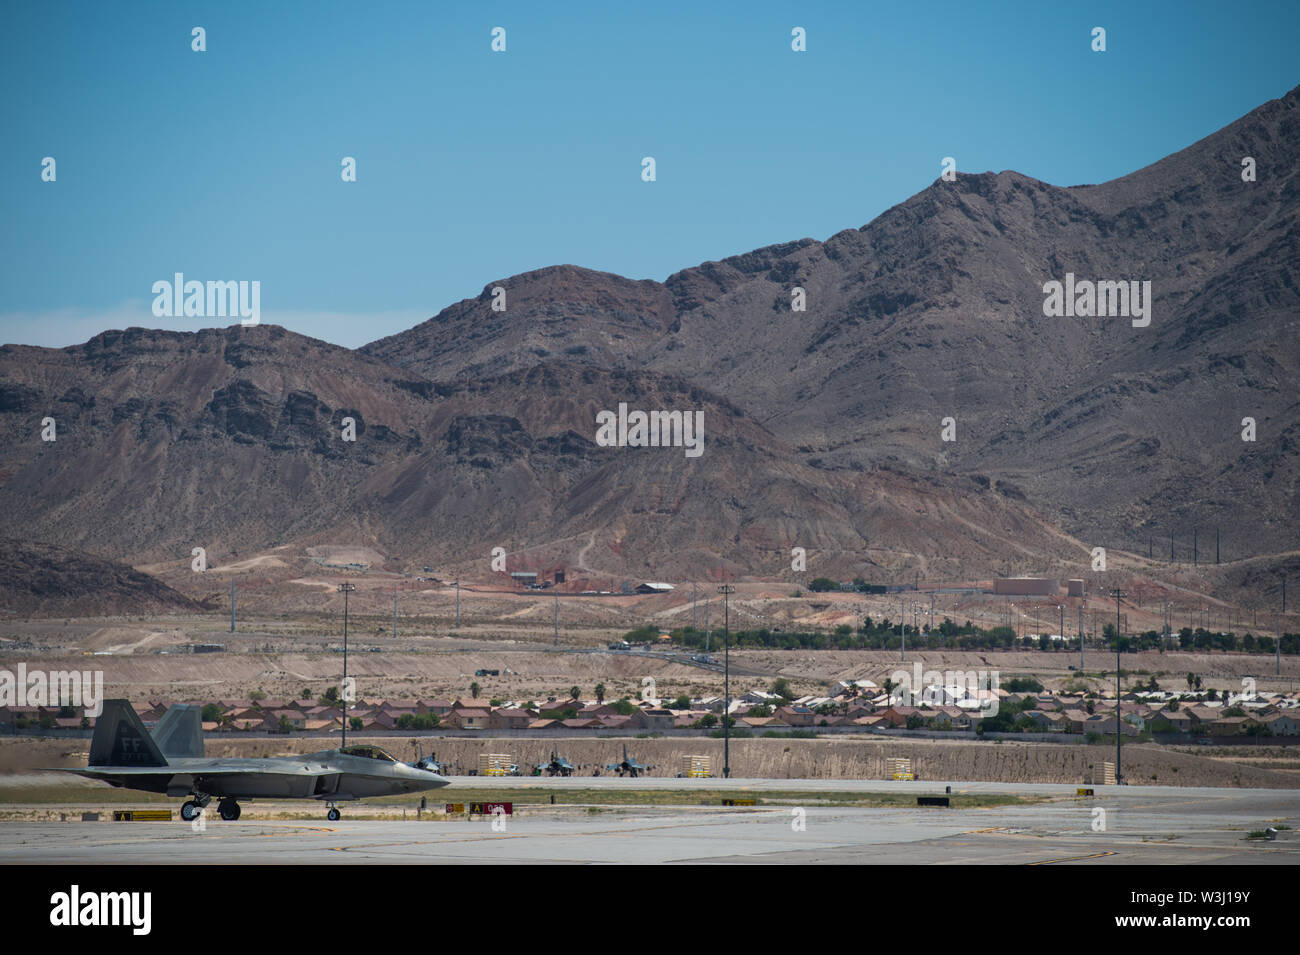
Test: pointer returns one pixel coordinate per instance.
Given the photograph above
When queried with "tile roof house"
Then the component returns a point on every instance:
(468, 718)
(511, 718)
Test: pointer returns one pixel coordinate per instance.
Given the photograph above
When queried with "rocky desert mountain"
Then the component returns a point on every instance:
(935, 309)
(477, 428)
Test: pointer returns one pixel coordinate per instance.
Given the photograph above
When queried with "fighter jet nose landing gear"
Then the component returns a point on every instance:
(333, 815)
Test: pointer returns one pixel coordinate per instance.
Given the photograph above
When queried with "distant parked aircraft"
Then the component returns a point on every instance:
(629, 766)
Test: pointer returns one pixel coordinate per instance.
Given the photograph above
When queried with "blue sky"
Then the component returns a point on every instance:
(473, 165)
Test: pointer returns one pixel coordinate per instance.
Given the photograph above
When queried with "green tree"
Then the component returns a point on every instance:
(781, 687)
(211, 713)
(574, 693)
(355, 723)
(474, 689)
(600, 693)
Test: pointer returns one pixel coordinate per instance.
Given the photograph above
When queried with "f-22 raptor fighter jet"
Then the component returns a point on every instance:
(171, 761)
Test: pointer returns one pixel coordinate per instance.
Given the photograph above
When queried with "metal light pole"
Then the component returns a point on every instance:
(345, 589)
(706, 623)
(1119, 733)
(394, 611)
(1081, 628)
(232, 605)
(726, 590)
(557, 619)
(457, 603)
(902, 627)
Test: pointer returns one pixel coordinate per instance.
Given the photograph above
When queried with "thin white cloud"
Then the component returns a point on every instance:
(61, 327)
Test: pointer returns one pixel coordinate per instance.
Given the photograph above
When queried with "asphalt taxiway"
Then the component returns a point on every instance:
(1139, 824)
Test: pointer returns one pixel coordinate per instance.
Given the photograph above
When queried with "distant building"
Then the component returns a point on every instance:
(652, 587)
(1027, 586)
(527, 578)
(1074, 588)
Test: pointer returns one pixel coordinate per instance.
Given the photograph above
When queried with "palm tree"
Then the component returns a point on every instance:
(575, 692)
(600, 693)
(473, 689)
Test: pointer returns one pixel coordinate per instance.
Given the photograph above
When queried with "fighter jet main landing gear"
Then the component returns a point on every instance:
(191, 808)
(229, 810)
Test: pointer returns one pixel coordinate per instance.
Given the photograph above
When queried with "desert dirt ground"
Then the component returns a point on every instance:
(287, 657)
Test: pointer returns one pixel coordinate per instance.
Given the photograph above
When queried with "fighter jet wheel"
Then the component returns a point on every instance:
(189, 810)
(333, 815)
(229, 811)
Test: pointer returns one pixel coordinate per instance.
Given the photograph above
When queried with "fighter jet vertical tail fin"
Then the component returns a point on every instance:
(121, 740)
(180, 731)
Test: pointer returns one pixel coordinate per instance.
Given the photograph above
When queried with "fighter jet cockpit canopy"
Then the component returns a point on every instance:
(368, 752)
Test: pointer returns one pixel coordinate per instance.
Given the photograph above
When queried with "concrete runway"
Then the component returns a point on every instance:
(1143, 824)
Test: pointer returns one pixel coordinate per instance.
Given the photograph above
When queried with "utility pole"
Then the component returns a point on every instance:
(1062, 609)
(394, 610)
(1081, 639)
(931, 611)
(345, 589)
(457, 602)
(706, 623)
(1171, 546)
(1194, 551)
(726, 590)
(692, 606)
(1119, 732)
(1216, 545)
(902, 626)
(232, 604)
(557, 619)
(1279, 628)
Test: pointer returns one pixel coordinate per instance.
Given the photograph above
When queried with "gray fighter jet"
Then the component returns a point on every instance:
(629, 766)
(557, 765)
(171, 761)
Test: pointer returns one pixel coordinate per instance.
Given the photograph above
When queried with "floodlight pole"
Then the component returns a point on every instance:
(902, 627)
(1119, 732)
(726, 590)
(706, 623)
(457, 603)
(345, 589)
